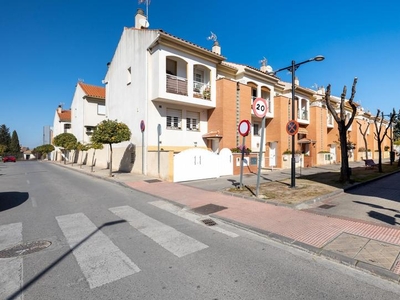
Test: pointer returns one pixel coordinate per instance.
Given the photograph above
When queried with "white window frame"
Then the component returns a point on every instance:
(101, 109)
(256, 129)
(192, 121)
(174, 119)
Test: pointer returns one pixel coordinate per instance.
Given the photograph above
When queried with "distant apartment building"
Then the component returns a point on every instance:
(47, 134)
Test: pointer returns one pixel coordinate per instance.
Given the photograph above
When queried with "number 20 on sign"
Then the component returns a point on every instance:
(260, 107)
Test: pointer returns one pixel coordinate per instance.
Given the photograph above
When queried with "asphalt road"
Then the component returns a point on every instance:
(111, 242)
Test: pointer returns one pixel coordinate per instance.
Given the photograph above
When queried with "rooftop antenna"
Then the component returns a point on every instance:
(264, 66)
(212, 37)
(147, 2)
(81, 80)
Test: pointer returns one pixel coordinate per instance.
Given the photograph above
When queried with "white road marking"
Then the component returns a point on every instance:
(176, 210)
(34, 203)
(11, 278)
(99, 258)
(28, 182)
(169, 238)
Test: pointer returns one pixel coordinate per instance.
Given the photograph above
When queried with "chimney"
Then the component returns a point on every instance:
(264, 68)
(216, 48)
(296, 81)
(140, 19)
(59, 108)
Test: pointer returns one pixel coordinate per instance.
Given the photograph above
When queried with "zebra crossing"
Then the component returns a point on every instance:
(11, 268)
(99, 259)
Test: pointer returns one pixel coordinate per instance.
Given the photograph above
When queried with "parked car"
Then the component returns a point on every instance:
(9, 158)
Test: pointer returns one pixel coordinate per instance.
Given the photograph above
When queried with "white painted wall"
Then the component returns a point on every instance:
(141, 93)
(77, 112)
(58, 127)
(84, 113)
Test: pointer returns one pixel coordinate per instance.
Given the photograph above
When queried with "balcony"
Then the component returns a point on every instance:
(329, 122)
(177, 90)
(302, 116)
(177, 85)
(201, 90)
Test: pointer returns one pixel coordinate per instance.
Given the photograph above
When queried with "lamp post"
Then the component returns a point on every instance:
(292, 68)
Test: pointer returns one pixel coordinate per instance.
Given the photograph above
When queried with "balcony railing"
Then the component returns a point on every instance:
(177, 85)
(201, 90)
(302, 114)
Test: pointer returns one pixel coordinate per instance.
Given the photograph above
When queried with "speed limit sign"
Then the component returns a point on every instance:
(260, 107)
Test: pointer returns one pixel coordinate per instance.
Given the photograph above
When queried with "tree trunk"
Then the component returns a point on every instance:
(380, 156)
(344, 170)
(94, 152)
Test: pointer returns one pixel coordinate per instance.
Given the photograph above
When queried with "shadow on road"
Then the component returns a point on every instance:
(10, 200)
(382, 217)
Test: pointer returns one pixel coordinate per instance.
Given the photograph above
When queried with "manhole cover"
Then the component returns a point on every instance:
(208, 209)
(152, 180)
(326, 206)
(209, 222)
(24, 249)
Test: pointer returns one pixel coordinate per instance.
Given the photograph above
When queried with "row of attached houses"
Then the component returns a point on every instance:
(183, 104)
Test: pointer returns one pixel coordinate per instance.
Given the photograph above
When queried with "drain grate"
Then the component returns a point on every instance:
(208, 209)
(152, 180)
(209, 222)
(24, 249)
(326, 206)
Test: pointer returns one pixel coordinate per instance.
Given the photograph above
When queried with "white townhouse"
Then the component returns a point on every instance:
(87, 110)
(61, 124)
(62, 121)
(166, 84)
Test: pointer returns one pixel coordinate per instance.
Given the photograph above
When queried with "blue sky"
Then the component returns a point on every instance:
(47, 45)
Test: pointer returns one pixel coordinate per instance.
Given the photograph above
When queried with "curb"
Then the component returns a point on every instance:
(347, 261)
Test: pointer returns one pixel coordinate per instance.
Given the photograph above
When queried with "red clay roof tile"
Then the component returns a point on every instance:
(93, 91)
(65, 116)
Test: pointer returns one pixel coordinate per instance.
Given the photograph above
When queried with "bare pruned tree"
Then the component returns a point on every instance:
(343, 125)
(379, 136)
(364, 135)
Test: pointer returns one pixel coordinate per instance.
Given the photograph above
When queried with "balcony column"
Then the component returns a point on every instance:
(190, 78)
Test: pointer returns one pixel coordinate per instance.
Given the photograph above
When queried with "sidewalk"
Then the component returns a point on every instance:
(361, 244)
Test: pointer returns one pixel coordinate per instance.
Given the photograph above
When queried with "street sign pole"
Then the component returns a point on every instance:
(158, 146)
(260, 156)
(244, 129)
(260, 110)
(241, 163)
(142, 128)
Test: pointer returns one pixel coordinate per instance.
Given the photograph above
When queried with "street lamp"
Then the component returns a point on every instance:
(292, 68)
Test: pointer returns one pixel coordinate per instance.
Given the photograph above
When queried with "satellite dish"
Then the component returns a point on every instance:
(269, 69)
(144, 23)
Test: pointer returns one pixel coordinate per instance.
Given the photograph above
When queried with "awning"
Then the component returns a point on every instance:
(302, 130)
(212, 135)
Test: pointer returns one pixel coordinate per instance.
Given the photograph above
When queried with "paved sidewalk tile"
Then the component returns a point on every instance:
(379, 254)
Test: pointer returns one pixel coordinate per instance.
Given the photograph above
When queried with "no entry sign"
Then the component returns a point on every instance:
(244, 127)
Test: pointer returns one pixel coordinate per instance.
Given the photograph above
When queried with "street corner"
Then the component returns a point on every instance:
(375, 256)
